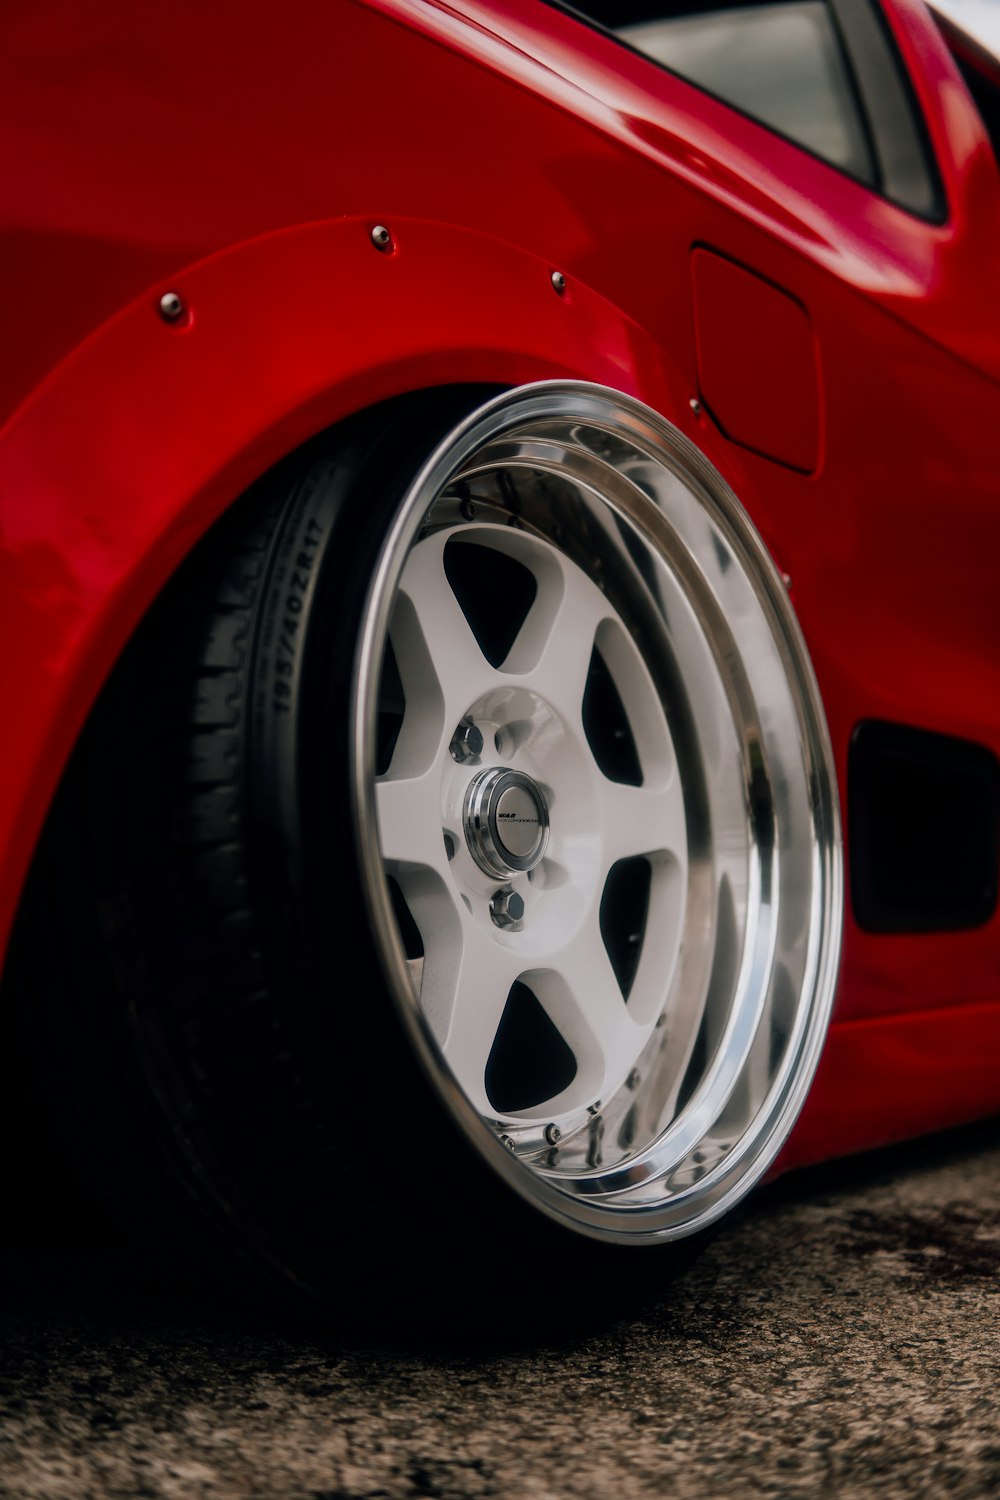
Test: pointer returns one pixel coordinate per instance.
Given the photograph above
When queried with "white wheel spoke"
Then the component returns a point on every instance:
(555, 643)
(642, 820)
(467, 996)
(440, 663)
(409, 820)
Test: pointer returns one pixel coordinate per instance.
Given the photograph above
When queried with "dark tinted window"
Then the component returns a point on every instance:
(783, 64)
(823, 73)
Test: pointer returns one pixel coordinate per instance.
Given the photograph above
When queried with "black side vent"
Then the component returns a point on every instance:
(924, 825)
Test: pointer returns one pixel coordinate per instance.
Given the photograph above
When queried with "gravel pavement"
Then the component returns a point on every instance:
(842, 1338)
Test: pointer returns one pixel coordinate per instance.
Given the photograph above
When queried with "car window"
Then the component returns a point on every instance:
(823, 73)
(782, 64)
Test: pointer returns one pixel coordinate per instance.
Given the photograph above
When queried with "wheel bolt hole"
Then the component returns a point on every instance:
(506, 740)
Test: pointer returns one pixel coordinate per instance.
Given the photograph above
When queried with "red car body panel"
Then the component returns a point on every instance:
(241, 159)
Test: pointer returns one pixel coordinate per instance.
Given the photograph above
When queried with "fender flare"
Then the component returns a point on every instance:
(128, 451)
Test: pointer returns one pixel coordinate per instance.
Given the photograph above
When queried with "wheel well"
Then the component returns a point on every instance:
(54, 914)
(143, 638)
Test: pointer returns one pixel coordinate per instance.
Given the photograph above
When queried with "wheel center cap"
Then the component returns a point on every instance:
(506, 822)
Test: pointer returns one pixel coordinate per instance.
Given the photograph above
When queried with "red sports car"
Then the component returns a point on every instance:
(500, 611)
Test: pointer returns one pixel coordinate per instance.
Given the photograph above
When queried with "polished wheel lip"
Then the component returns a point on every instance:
(606, 1208)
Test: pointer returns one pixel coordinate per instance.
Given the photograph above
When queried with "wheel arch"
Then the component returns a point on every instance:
(135, 444)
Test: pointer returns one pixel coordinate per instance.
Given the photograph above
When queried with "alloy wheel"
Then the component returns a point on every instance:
(597, 812)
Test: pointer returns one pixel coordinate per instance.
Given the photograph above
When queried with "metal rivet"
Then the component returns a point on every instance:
(469, 510)
(595, 1108)
(558, 282)
(553, 1135)
(506, 908)
(696, 406)
(786, 579)
(508, 1141)
(171, 307)
(466, 743)
(381, 238)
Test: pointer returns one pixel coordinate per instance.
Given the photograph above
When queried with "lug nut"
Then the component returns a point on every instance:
(467, 743)
(506, 908)
(553, 1135)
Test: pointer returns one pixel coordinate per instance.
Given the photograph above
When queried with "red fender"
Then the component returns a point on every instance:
(138, 441)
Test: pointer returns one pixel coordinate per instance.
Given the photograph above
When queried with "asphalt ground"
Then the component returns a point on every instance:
(842, 1337)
